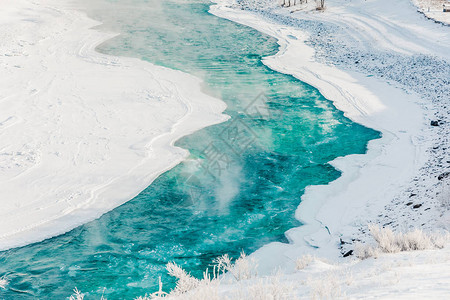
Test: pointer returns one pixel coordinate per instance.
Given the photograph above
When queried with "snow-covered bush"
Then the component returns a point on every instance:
(269, 288)
(325, 288)
(185, 281)
(385, 238)
(243, 268)
(363, 251)
(189, 287)
(391, 242)
(303, 261)
(160, 294)
(77, 295)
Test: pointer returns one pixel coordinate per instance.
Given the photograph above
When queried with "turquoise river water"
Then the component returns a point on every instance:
(241, 185)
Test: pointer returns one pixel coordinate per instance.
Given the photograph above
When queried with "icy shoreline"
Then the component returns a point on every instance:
(81, 132)
(341, 210)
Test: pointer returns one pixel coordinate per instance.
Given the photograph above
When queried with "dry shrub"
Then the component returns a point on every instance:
(391, 242)
(328, 287)
(304, 261)
(185, 281)
(270, 289)
(243, 268)
(189, 287)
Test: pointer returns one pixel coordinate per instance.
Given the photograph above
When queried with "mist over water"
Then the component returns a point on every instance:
(241, 184)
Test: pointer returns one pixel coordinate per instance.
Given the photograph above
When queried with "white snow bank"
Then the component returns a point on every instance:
(406, 275)
(81, 132)
(422, 274)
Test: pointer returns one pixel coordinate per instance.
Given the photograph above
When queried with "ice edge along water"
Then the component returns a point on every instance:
(368, 181)
(165, 106)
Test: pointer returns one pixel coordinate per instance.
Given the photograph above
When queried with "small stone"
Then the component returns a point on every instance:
(417, 206)
(434, 123)
(412, 195)
(443, 175)
(348, 253)
(409, 203)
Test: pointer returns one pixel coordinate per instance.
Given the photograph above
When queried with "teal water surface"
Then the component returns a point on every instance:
(244, 178)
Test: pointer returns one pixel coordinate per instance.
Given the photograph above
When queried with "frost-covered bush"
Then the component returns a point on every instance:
(391, 242)
(267, 289)
(303, 261)
(363, 251)
(243, 268)
(77, 295)
(325, 288)
(385, 238)
(189, 287)
(185, 282)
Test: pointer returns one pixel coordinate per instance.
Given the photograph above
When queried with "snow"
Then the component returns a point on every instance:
(390, 276)
(420, 274)
(81, 132)
(386, 69)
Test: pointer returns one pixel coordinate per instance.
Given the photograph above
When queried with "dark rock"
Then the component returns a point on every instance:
(409, 203)
(434, 123)
(443, 175)
(348, 253)
(417, 206)
(412, 195)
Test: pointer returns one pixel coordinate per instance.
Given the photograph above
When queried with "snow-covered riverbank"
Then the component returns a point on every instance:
(387, 70)
(81, 132)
